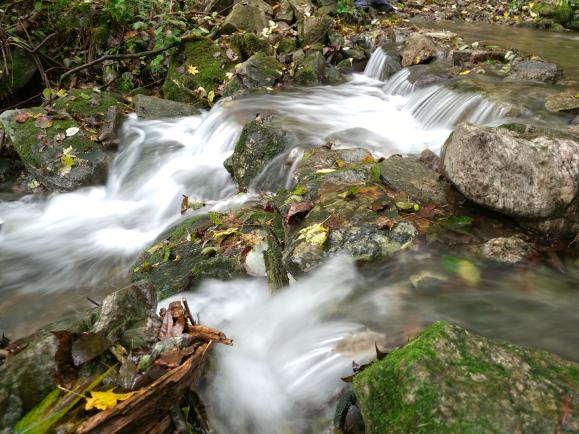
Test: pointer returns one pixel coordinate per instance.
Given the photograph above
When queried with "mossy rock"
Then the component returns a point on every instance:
(259, 143)
(21, 69)
(198, 64)
(259, 71)
(310, 71)
(247, 44)
(86, 103)
(248, 15)
(204, 247)
(351, 211)
(447, 380)
(58, 160)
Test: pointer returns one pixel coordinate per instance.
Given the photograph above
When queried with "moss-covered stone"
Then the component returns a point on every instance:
(21, 69)
(352, 210)
(246, 44)
(259, 143)
(198, 64)
(447, 380)
(310, 71)
(249, 15)
(210, 246)
(259, 71)
(86, 103)
(58, 160)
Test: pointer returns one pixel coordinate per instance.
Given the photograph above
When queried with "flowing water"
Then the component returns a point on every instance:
(291, 348)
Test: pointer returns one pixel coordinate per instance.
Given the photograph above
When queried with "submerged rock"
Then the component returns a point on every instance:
(449, 380)
(563, 102)
(536, 70)
(529, 173)
(509, 250)
(55, 149)
(259, 143)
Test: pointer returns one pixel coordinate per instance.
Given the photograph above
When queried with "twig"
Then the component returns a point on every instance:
(188, 311)
(35, 49)
(124, 56)
(22, 102)
(93, 302)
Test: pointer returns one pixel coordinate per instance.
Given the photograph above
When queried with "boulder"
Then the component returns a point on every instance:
(213, 246)
(58, 151)
(563, 102)
(310, 70)
(259, 143)
(21, 69)
(247, 44)
(339, 205)
(529, 173)
(536, 70)
(449, 380)
(27, 376)
(247, 15)
(198, 68)
(152, 107)
(129, 313)
(260, 70)
(285, 12)
(220, 6)
(411, 175)
(312, 29)
(418, 48)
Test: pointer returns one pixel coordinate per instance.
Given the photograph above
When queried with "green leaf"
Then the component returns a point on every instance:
(53, 407)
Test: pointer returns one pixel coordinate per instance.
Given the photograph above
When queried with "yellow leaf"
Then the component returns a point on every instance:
(229, 75)
(465, 72)
(192, 70)
(417, 60)
(61, 93)
(211, 96)
(324, 171)
(105, 400)
(222, 234)
(468, 272)
(316, 234)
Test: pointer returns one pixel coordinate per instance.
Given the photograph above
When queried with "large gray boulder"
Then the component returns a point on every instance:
(528, 173)
(447, 380)
(247, 15)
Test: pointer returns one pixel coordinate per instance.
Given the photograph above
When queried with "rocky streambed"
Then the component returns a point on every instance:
(309, 224)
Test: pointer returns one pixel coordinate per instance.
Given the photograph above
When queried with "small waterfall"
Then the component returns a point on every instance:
(85, 238)
(381, 65)
(284, 362)
(436, 107)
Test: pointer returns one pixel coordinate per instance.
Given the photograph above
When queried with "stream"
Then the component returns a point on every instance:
(291, 348)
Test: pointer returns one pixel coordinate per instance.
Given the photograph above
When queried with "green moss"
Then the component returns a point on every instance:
(181, 84)
(447, 380)
(86, 102)
(247, 44)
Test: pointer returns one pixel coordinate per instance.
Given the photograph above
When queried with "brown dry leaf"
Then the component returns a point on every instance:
(385, 223)
(298, 208)
(22, 117)
(43, 122)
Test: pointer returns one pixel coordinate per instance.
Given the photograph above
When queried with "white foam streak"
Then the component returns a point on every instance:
(283, 360)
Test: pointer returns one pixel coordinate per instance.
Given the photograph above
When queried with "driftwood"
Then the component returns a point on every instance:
(149, 410)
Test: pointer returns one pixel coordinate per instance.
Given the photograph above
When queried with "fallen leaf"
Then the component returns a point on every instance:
(224, 233)
(71, 131)
(33, 184)
(465, 72)
(298, 208)
(316, 234)
(229, 75)
(87, 347)
(324, 171)
(468, 272)
(192, 70)
(22, 117)
(211, 96)
(43, 122)
(385, 223)
(105, 400)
